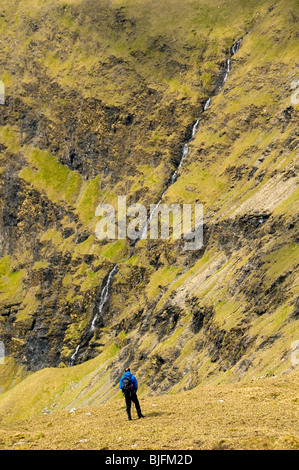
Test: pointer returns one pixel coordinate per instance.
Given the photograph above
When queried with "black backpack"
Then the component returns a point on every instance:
(126, 385)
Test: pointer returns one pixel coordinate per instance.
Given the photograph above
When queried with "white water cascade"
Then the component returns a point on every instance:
(232, 51)
(207, 104)
(103, 299)
(105, 291)
(104, 296)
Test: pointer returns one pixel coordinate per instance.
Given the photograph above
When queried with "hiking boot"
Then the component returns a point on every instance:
(141, 416)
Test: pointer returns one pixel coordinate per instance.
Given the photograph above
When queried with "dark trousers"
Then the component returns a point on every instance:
(132, 397)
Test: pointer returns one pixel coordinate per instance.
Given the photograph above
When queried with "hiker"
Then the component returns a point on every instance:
(129, 386)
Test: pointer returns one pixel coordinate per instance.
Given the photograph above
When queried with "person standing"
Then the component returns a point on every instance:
(129, 386)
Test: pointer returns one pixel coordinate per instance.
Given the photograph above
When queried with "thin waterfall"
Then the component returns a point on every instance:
(195, 127)
(74, 355)
(235, 47)
(104, 296)
(172, 180)
(105, 291)
(227, 70)
(232, 51)
(103, 299)
(184, 155)
(144, 231)
(2, 92)
(207, 104)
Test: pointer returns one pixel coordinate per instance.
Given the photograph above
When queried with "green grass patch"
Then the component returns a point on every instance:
(10, 138)
(182, 279)
(227, 314)
(47, 175)
(290, 205)
(5, 265)
(281, 261)
(11, 288)
(52, 235)
(84, 247)
(29, 305)
(116, 251)
(160, 279)
(89, 199)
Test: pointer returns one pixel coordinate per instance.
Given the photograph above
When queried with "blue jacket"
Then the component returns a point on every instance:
(133, 380)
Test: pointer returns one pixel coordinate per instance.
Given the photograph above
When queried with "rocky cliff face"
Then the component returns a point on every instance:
(99, 102)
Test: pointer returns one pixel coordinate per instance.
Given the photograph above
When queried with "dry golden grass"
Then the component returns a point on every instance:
(261, 415)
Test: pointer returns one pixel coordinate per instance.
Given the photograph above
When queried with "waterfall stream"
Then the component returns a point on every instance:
(105, 291)
(232, 51)
(103, 299)
(104, 296)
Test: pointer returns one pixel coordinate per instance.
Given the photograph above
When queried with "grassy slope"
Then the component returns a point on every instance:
(241, 133)
(191, 42)
(227, 198)
(211, 184)
(262, 415)
(79, 64)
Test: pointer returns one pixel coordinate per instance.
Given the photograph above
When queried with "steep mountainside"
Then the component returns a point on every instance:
(100, 98)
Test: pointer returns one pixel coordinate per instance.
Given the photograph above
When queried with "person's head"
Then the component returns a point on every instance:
(127, 369)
